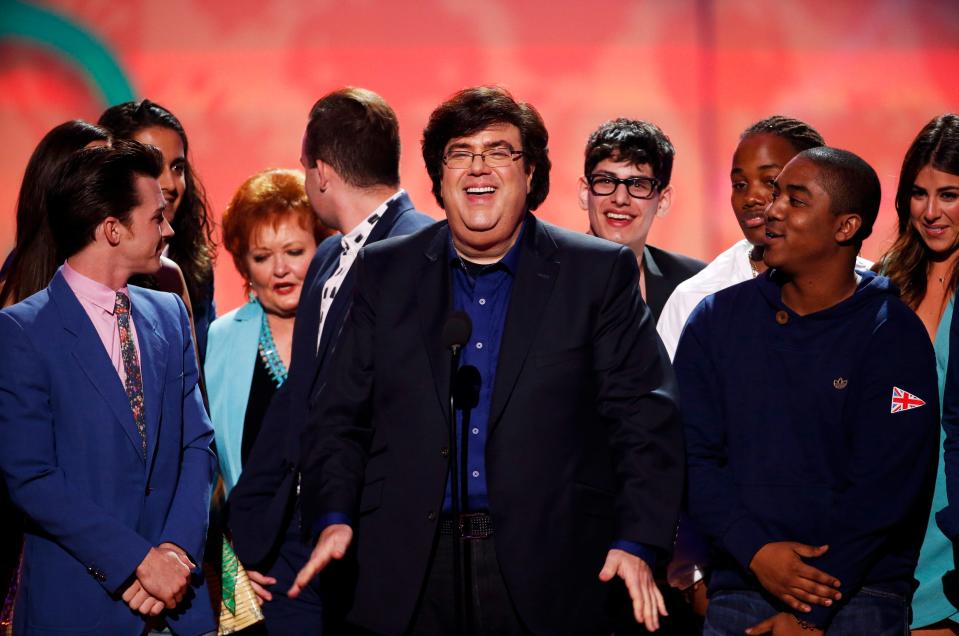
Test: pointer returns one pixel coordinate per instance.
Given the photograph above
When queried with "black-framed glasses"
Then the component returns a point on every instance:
(494, 158)
(603, 185)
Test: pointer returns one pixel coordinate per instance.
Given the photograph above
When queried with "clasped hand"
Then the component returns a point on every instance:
(162, 579)
(780, 568)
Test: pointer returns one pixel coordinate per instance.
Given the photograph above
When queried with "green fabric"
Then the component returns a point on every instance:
(230, 569)
(929, 605)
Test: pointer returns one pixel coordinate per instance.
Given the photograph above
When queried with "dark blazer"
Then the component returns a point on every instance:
(664, 271)
(70, 454)
(261, 502)
(584, 444)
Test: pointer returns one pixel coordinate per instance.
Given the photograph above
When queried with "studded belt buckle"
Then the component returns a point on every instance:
(475, 525)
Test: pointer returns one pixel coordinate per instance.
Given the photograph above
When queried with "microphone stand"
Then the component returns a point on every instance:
(458, 595)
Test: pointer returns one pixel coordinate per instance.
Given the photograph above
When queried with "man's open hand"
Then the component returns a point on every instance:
(648, 603)
(333, 542)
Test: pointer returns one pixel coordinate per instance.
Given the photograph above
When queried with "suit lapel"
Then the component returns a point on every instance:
(656, 291)
(433, 301)
(535, 276)
(93, 360)
(153, 361)
(341, 303)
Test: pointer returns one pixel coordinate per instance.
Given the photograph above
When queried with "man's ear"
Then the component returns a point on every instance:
(324, 173)
(847, 227)
(110, 230)
(665, 201)
(583, 194)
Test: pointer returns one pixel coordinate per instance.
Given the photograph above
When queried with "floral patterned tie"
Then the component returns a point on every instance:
(131, 365)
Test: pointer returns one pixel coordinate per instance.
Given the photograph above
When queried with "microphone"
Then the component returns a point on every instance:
(466, 388)
(457, 331)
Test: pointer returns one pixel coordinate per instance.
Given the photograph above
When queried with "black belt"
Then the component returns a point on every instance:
(472, 525)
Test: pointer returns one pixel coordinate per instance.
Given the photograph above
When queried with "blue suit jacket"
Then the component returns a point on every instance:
(70, 455)
(261, 502)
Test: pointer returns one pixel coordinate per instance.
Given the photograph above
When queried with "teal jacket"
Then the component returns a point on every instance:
(230, 358)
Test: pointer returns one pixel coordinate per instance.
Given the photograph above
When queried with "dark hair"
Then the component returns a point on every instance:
(192, 246)
(801, 135)
(473, 109)
(853, 186)
(634, 141)
(96, 183)
(267, 198)
(907, 262)
(355, 131)
(35, 259)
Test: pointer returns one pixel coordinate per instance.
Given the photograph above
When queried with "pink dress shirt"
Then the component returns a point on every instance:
(98, 301)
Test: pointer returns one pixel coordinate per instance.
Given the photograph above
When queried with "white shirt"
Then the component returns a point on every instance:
(351, 244)
(727, 269)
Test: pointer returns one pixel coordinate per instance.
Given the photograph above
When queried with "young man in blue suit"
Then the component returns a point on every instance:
(104, 442)
(350, 154)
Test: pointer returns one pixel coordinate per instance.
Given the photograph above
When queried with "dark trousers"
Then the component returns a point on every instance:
(285, 616)
(868, 611)
(491, 609)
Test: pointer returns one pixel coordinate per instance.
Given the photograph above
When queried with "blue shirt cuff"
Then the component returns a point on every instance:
(644, 552)
(328, 520)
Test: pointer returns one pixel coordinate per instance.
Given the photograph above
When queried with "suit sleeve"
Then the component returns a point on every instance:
(637, 400)
(714, 504)
(892, 464)
(109, 549)
(187, 520)
(336, 438)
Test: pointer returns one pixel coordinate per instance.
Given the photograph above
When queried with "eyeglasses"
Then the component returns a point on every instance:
(494, 158)
(603, 185)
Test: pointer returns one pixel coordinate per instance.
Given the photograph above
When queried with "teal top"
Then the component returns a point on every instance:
(929, 605)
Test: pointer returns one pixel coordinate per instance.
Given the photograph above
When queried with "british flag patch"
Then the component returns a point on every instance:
(904, 401)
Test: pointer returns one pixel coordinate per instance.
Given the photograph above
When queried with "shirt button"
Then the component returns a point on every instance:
(479, 345)
(482, 301)
(475, 473)
(475, 431)
(444, 452)
(430, 515)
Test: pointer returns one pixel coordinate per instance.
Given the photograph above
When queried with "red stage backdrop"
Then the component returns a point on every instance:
(242, 75)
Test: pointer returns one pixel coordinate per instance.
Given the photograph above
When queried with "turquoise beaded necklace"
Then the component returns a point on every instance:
(268, 353)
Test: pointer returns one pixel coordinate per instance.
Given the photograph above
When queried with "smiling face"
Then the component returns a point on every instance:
(758, 160)
(173, 178)
(276, 262)
(934, 210)
(800, 228)
(145, 231)
(619, 217)
(485, 206)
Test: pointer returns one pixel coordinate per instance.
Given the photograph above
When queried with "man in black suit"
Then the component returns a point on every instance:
(574, 454)
(638, 156)
(350, 154)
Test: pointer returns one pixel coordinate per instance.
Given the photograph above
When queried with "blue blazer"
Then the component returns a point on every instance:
(261, 503)
(231, 357)
(70, 455)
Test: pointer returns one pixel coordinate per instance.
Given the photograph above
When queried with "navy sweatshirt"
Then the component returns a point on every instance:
(791, 434)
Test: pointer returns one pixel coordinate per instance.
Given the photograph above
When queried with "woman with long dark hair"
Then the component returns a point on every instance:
(34, 260)
(923, 264)
(192, 246)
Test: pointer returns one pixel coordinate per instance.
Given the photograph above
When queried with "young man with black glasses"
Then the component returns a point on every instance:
(638, 156)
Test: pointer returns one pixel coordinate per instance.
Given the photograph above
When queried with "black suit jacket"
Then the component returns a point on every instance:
(664, 271)
(261, 502)
(584, 445)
